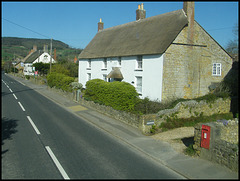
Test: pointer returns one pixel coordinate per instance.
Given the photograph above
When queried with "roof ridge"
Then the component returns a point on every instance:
(142, 20)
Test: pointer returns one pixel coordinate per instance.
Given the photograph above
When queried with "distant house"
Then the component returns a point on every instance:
(165, 56)
(20, 66)
(35, 57)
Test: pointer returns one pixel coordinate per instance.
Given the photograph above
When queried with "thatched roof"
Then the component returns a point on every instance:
(115, 73)
(147, 36)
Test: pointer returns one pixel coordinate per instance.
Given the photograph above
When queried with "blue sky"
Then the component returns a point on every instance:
(75, 23)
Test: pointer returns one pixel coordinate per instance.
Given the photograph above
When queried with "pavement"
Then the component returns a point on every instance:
(187, 166)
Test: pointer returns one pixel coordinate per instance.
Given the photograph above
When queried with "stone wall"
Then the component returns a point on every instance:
(187, 71)
(188, 109)
(223, 148)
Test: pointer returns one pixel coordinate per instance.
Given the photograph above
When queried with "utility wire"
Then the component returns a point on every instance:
(26, 28)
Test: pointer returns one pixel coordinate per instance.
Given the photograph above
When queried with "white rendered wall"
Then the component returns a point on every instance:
(151, 72)
(152, 77)
(44, 58)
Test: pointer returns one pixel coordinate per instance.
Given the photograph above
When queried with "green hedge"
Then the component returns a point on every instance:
(60, 81)
(118, 95)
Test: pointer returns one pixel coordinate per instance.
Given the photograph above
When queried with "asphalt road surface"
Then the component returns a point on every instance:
(41, 140)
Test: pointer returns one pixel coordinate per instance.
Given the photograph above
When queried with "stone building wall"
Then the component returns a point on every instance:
(187, 71)
(223, 148)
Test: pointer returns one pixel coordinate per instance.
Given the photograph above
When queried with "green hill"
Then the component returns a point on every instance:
(13, 48)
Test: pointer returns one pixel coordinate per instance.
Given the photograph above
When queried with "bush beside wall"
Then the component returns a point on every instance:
(119, 95)
(59, 81)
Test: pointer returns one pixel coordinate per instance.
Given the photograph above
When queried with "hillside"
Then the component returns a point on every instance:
(18, 48)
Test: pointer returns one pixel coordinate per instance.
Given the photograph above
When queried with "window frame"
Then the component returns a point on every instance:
(119, 61)
(89, 64)
(89, 76)
(138, 88)
(104, 64)
(139, 62)
(216, 69)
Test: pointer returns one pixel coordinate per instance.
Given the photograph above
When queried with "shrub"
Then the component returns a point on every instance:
(59, 81)
(118, 95)
(27, 77)
(173, 122)
(146, 106)
(76, 85)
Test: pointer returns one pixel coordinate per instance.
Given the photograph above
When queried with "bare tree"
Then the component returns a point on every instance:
(232, 46)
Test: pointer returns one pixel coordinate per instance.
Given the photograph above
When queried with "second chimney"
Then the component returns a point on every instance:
(100, 25)
(45, 48)
(140, 12)
(188, 8)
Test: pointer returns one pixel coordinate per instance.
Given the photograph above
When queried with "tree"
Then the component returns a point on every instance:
(42, 68)
(232, 46)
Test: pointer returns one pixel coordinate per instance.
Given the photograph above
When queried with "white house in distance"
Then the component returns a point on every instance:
(164, 56)
(36, 57)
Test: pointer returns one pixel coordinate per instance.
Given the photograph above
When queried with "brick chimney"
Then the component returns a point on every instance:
(188, 8)
(34, 48)
(140, 12)
(55, 54)
(100, 25)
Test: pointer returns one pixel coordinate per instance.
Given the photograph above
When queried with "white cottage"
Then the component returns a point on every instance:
(164, 56)
(36, 57)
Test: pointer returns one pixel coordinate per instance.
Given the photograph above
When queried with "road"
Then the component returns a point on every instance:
(41, 140)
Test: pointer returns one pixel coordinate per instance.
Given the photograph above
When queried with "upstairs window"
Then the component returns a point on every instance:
(105, 63)
(89, 64)
(139, 62)
(216, 69)
(119, 61)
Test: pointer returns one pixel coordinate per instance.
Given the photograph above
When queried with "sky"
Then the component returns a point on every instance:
(75, 23)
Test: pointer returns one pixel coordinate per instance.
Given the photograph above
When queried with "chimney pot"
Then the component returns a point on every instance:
(45, 48)
(140, 12)
(100, 25)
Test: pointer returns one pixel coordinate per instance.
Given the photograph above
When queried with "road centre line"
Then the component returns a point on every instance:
(15, 96)
(33, 125)
(10, 90)
(21, 106)
(55, 160)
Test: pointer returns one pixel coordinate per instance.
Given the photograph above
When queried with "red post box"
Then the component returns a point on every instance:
(205, 138)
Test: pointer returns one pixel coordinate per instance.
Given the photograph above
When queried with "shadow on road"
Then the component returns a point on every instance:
(8, 128)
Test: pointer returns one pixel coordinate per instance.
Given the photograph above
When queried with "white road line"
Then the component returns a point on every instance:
(15, 96)
(59, 166)
(21, 106)
(10, 90)
(33, 125)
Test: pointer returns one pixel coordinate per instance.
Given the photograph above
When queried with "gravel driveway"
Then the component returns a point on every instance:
(178, 138)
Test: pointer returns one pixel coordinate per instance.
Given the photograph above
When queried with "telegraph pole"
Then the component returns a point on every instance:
(51, 56)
